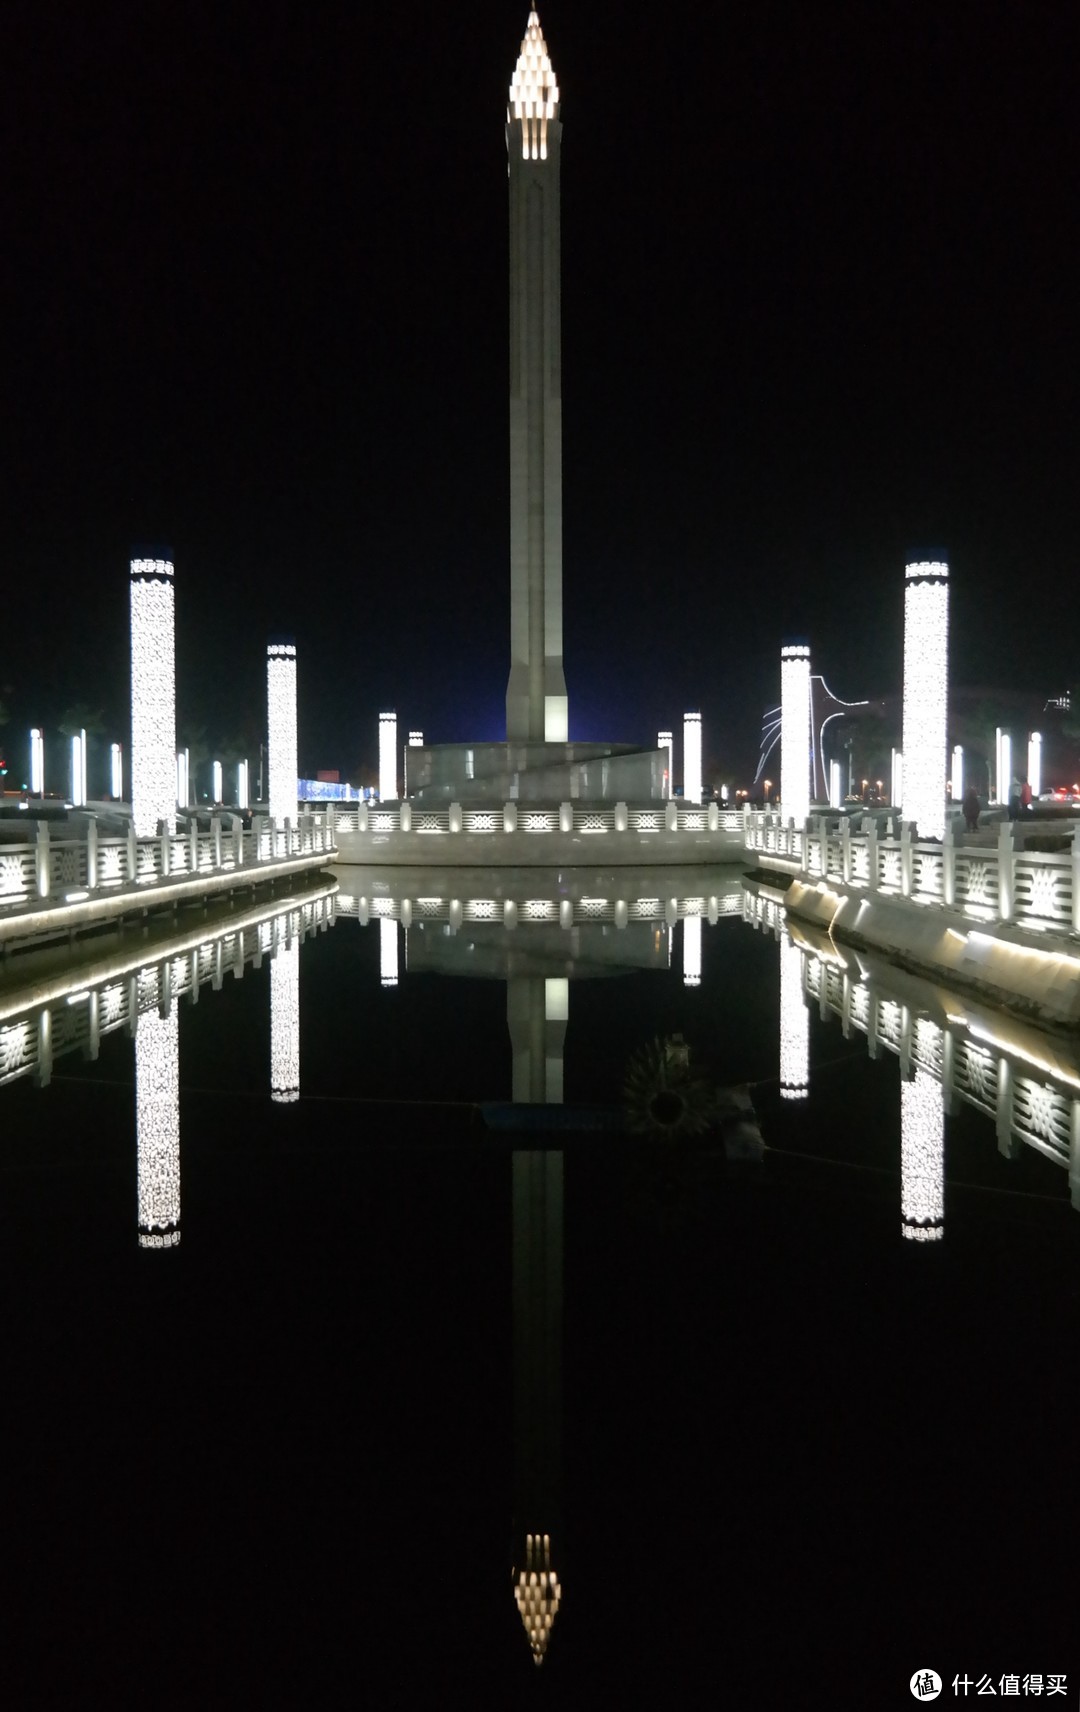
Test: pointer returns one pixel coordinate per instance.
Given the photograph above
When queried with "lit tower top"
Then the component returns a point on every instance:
(534, 93)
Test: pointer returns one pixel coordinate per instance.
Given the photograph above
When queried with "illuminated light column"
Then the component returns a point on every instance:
(416, 739)
(794, 1025)
(536, 701)
(242, 786)
(388, 951)
(153, 697)
(1034, 770)
(281, 730)
(666, 740)
(78, 769)
(285, 1020)
(957, 772)
(691, 757)
(926, 695)
(922, 1158)
(157, 1123)
(1005, 766)
(116, 770)
(835, 786)
(388, 757)
(896, 780)
(183, 783)
(795, 732)
(691, 951)
(37, 761)
(217, 782)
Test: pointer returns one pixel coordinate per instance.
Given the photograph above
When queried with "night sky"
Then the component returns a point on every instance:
(819, 316)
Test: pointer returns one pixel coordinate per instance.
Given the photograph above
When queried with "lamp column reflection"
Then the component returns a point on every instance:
(157, 1114)
(794, 1025)
(285, 1014)
(926, 695)
(281, 730)
(537, 1011)
(153, 697)
(922, 1139)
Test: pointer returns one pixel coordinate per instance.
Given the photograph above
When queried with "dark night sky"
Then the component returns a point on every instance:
(819, 313)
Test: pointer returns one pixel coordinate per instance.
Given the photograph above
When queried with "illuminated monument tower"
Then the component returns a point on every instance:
(536, 708)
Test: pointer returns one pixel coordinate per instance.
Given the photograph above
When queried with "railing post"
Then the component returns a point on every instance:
(215, 833)
(622, 817)
(1008, 1144)
(906, 858)
(193, 847)
(91, 854)
(405, 817)
(238, 842)
(163, 839)
(948, 865)
(870, 828)
(671, 817)
(454, 818)
(41, 853)
(362, 817)
(1074, 1156)
(845, 853)
(1006, 871)
(1076, 879)
(566, 817)
(509, 817)
(132, 854)
(714, 817)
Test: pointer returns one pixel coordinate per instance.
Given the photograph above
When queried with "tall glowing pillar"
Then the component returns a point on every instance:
(116, 770)
(281, 729)
(666, 740)
(285, 1016)
(242, 787)
(795, 732)
(78, 770)
(153, 696)
(216, 785)
(1004, 765)
(926, 695)
(835, 787)
(388, 757)
(37, 761)
(691, 758)
(183, 778)
(794, 1025)
(157, 1116)
(536, 701)
(1034, 768)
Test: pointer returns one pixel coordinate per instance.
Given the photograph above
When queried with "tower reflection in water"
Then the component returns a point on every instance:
(157, 1110)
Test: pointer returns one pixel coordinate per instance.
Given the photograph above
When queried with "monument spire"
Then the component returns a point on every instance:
(536, 704)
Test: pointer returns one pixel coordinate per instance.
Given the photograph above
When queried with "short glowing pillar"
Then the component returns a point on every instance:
(957, 772)
(666, 740)
(692, 757)
(116, 770)
(926, 695)
(388, 951)
(217, 782)
(153, 696)
(794, 1025)
(242, 786)
(183, 778)
(37, 761)
(157, 1121)
(896, 779)
(691, 951)
(1005, 766)
(281, 729)
(78, 769)
(922, 1158)
(835, 786)
(1034, 770)
(285, 1018)
(795, 732)
(388, 757)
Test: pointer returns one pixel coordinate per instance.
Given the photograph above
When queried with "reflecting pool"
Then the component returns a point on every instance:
(563, 1284)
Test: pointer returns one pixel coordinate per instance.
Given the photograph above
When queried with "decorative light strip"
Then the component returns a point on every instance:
(157, 1127)
(534, 93)
(691, 951)
(285, 1023)
(388, 757)
(795, 732)
(537, 1594)
(281, 730)
(388, 951)
(922, 1156)
(153, 697)
(1034, 770)
(692, 757)
(926, 695)
(794, 1026)
(666, 740)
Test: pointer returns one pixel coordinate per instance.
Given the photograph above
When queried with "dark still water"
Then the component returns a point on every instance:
(290, 1380)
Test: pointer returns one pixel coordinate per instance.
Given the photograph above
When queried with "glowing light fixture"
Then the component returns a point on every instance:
(794, 1026)
(835, 786)
(666, 740)
(281, 729)
(534, 93)
(37, 761)
(537, 1594)
(795, 732)
(957, 772)
(926, 695)
(157, 1124)
(388, 951)
(691, 757)
(78, 769)
(416, 739)
(153, 696)
(922, 1158)
(183, 777)
(242, 786)
(388, 757)
(1034, 770)
(896, 779)
(691, 951)
(1005, 765)
(116, 770)
(217, 782)
(285, 1023)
